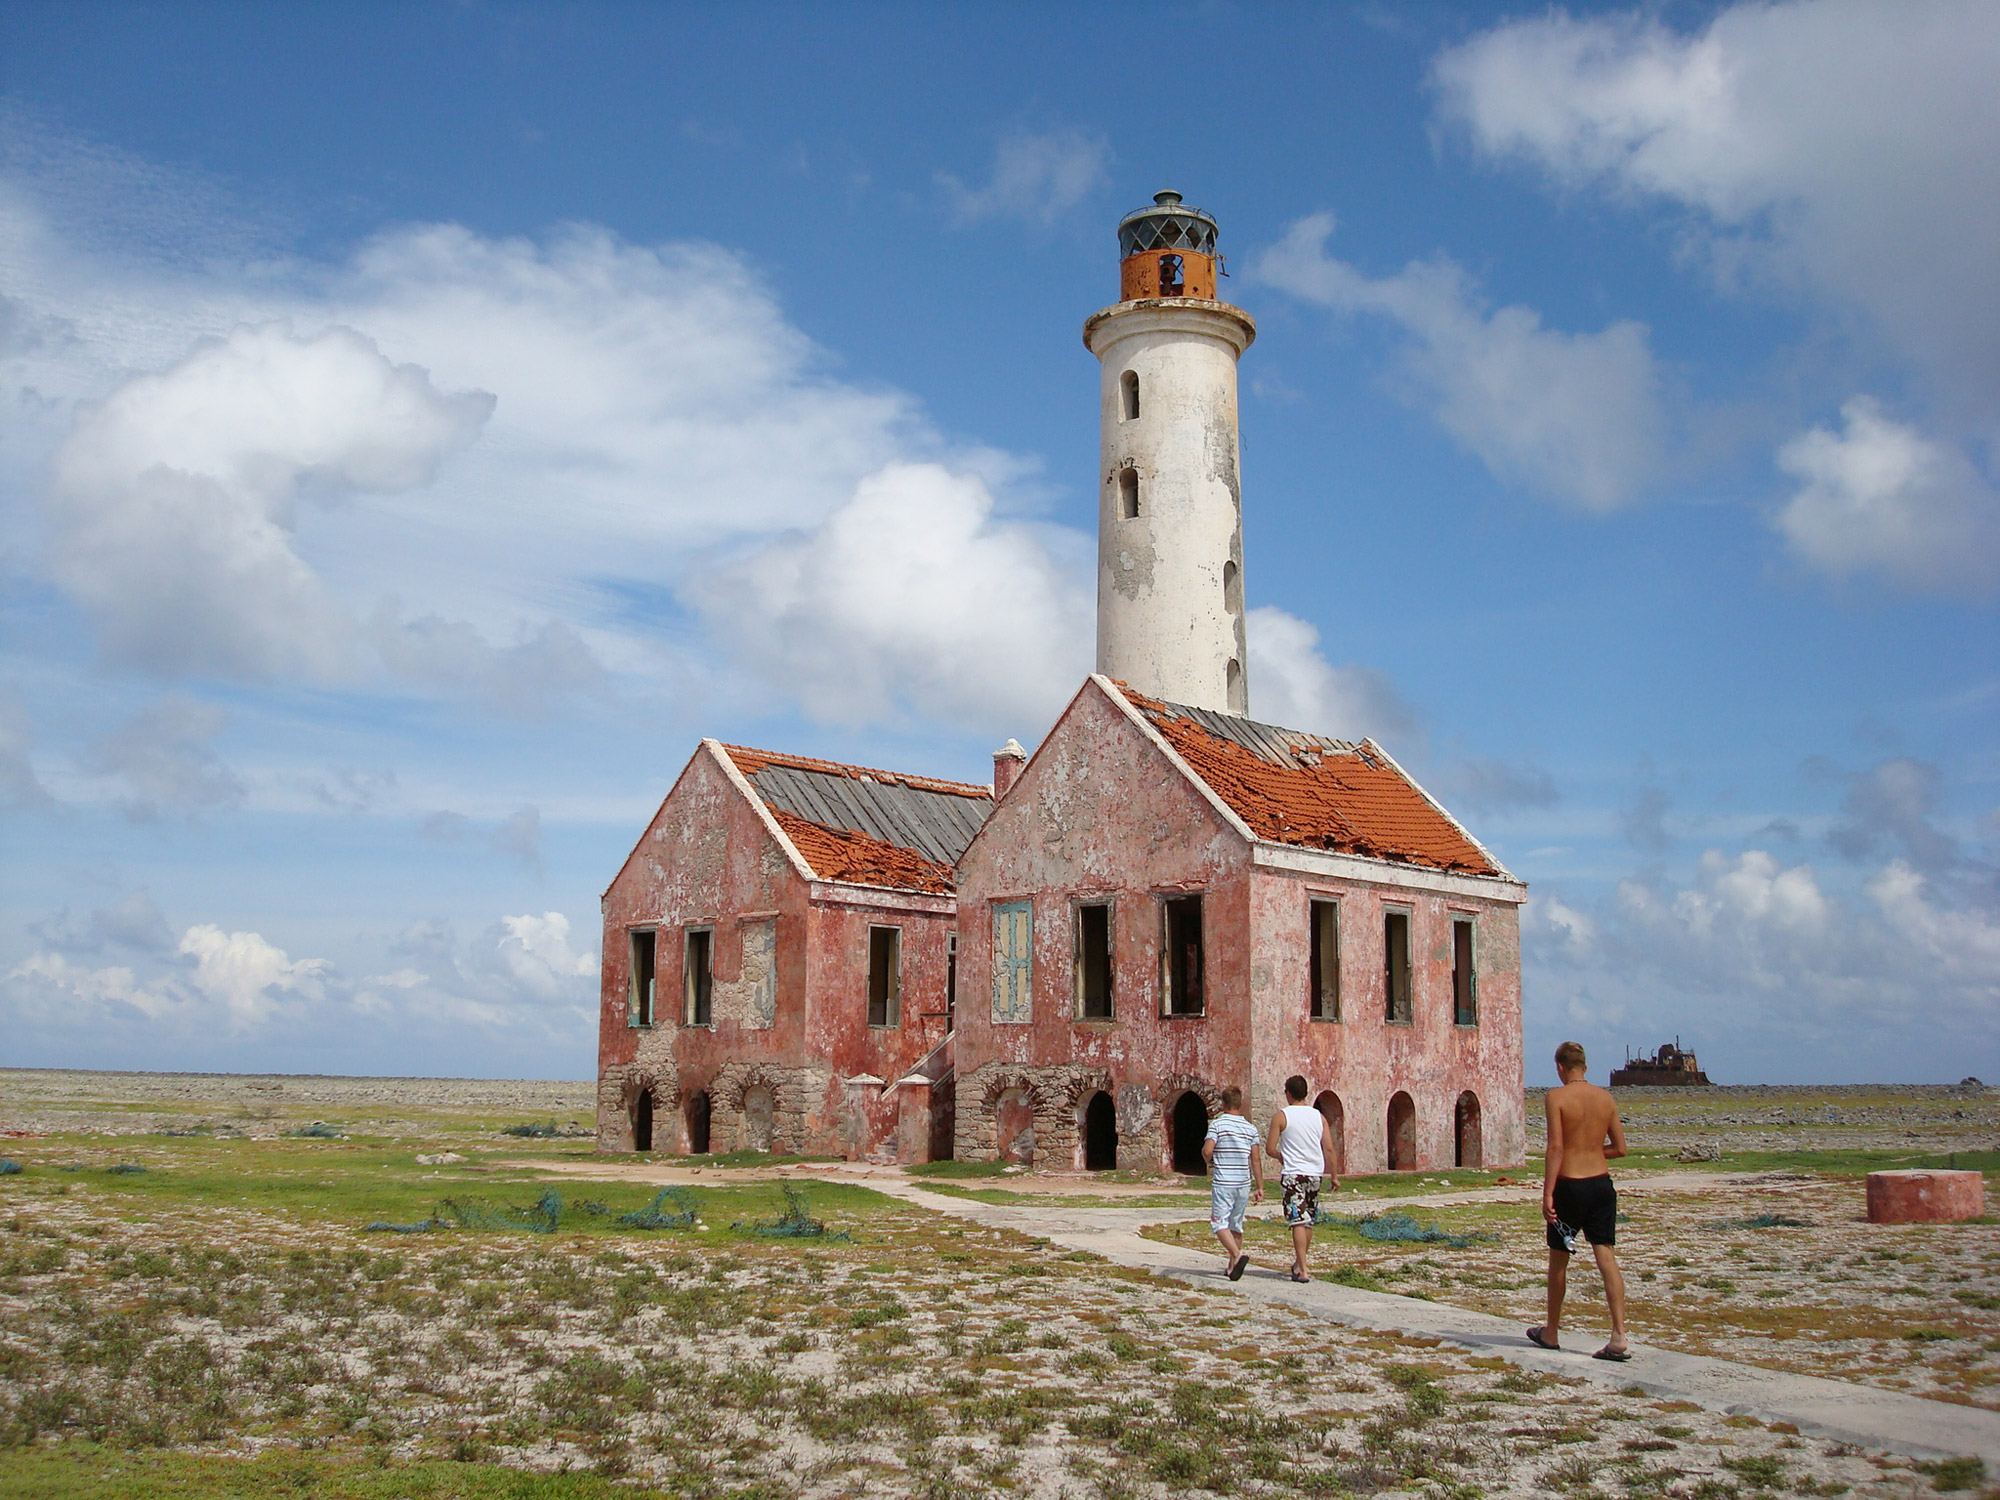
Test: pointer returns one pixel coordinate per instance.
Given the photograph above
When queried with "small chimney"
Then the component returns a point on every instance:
(1007, 763)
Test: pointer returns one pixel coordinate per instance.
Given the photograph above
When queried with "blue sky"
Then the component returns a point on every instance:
(425, 421)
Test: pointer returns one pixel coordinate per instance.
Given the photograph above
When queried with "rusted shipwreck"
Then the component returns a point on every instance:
(1668, 1068)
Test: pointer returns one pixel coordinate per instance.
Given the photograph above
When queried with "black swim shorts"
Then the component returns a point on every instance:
(1589, 1206)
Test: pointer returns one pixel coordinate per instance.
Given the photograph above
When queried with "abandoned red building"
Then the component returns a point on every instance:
(1066, 969)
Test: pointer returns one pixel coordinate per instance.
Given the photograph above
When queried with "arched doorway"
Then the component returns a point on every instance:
(1328, 1104)
(1402, 1134)
(1469, 1151)
(1100, 1133)
(758, 1109)
(1190, 1129)
(642, 1120)
(697, 1124)
(1014, 1126)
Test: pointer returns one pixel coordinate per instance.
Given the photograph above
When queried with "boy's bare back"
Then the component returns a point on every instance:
(1582, 1118)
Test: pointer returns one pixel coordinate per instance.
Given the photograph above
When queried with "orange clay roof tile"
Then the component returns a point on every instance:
(1298, 788)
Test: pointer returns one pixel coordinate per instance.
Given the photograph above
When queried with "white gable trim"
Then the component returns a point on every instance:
(1443, 812)
(1160, 742)
(742, 784)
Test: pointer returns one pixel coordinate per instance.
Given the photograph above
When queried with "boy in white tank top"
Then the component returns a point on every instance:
(1302, 1145)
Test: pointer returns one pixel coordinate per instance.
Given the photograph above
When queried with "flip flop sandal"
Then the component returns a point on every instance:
(1617, 1356)
(1535, 1338)
(1238, 1266)
(1300, 1276)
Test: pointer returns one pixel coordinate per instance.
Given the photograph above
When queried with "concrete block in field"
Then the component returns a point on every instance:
(1920, 1197)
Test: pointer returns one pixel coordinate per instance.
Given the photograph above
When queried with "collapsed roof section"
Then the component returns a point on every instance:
(866, 827)
(1291, 787)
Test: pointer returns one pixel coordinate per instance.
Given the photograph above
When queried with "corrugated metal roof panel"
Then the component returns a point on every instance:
(936, 824)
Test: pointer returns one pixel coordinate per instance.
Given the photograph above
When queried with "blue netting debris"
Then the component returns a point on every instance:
(1401, 1229)
(422, 1226)
(534, 1132)
(655, 1216)
(9, 1167)
(794, 1223)
(1761, 1221)
(125, 1169)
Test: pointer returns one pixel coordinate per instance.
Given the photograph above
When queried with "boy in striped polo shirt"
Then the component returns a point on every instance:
(1235, 1176)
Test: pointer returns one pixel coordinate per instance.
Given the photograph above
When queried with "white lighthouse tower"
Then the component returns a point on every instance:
(1170, 515)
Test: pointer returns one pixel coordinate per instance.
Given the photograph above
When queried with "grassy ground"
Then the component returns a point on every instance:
(222, 1324)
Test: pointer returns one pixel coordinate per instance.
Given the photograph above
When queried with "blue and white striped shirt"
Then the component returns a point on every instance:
(1235, 1138)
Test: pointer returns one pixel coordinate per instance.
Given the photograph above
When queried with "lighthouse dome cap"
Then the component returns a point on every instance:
(1168, 224)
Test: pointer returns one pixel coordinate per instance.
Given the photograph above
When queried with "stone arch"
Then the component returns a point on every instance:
(1402, 1132)
(643, 1117)
(1175, 1084)
(751, 1096)
(1468, 1147)
(1017, 1107)
(1335, 1114)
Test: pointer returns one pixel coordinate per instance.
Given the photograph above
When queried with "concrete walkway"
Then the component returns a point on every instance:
(1835, 1410)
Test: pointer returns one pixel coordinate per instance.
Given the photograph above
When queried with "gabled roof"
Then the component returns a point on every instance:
(1291, 787)
(867, 827)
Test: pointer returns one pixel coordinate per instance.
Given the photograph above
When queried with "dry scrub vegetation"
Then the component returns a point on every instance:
(220, 1323)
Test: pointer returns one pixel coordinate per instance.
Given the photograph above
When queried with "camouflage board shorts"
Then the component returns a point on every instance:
(1301, 1198)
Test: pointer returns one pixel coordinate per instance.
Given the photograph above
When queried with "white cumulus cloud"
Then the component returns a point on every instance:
(912, 598)
(1880, 496)
(1292, 685)
(240, 971)
(1577, 416)
(174, 501)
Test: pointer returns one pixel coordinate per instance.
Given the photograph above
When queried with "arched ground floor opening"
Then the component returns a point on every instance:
(1402, 1134)
(1100, 1133)
(760, 1107)
(1468, 1150)
(1189, 1127)
(642, 1120)
(698, 1109)
(1328, 1104)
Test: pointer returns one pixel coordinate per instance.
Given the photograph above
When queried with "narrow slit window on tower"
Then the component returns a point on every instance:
(1093, 962)
(1128, 394)
(643, 974)
(1325, 967)
(1128, 493)
(1464, 978)
(1182, 964)
(1171, 276)
(1396, 955)
(885, 978)
(698, 975)
(1232, 587)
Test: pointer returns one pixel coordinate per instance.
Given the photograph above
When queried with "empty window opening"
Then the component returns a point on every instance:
(1128, 494)
(698, 1110)
(644, 973)
(1093, 962)
(1232, 588)
(1464, 978)
(1402, 1134)
(1190, 1129)
(1396, 956)
(642, 1121)
(950, 981)
(698, 975)
(1128, 394)
(885, 979)
(1467, 1150)
(1233, 681)
(1100, 1134)
(1183, 977)
(1172, 276)
(1328, 1104)
(1324, 968)
(760, 1108)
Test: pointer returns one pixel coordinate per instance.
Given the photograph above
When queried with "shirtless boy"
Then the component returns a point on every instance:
(1577, 1195)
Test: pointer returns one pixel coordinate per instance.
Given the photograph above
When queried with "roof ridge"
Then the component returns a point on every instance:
(750, 761)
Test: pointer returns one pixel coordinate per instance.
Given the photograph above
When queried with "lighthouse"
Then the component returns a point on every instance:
(1170, 512)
